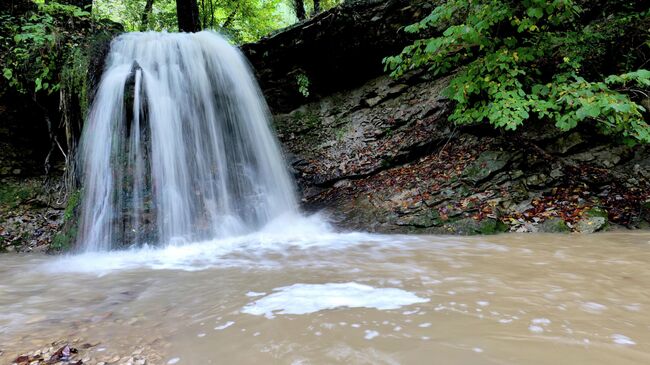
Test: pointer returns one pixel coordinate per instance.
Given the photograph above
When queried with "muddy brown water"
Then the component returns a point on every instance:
(510, 299)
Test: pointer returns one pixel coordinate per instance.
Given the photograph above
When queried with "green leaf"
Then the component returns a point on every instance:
(7, 73)
(535, 12)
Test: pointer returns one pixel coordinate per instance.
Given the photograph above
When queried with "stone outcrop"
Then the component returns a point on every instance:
(383, 157)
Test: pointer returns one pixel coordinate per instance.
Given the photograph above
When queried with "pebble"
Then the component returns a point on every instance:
(41, 356)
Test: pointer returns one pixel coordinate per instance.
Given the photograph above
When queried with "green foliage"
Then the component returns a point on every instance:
(129, 14)
(303, 84)
(73, 202)
(241, 20)
(64, 240)
(12, 195)
(515, 61)
(35, 46)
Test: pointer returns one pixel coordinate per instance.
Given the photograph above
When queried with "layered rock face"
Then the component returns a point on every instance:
(383, 157)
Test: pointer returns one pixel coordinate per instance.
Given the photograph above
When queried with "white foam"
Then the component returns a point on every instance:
(224, 326)
(593, 307)
(542, 321)
(535, 329)
(622, 340)
(288, 232)
(254, 294)
(370, 334)
(173, 361)
(311, 298)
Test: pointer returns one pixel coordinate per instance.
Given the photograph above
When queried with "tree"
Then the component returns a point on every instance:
(515, 61)
(299, 8)
(187, 12)
(145, 15)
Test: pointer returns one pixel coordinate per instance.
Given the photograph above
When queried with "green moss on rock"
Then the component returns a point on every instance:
(593, 220)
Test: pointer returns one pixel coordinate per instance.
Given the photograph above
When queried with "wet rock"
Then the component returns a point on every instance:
(470, 226)
(593, 220)
(486, 165)
(538, 180)
(553, 225)
(566, 143)
(603, 156)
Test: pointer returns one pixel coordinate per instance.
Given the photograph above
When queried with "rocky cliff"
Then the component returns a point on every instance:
(379, 154)
(383, 157)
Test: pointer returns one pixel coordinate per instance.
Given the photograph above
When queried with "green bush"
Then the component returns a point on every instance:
(515, 61)
(35, 45)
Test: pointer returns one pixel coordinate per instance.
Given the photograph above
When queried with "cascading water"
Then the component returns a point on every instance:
(177, 146)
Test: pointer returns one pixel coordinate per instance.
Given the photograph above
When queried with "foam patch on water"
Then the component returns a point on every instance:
(622, 340)
(311, 298)
(292, 232)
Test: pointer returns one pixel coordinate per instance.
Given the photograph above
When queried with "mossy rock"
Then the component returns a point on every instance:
(470, 226)
(64, 240)
(593, 220)
(14, 194)
(422, 220)
(554, 225)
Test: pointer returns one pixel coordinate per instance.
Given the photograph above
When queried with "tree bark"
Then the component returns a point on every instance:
(231, 18)
(187, 12)
(145, 15)
(299, 7)
(316, 6)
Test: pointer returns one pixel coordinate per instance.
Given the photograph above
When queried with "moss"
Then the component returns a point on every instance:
(308, 118)
(340, 133)
(64, 240)
(491, 226)
(71, 207)
(470, 226)
(12, 195)
(593, 220)
(554, 225)
(74, 78)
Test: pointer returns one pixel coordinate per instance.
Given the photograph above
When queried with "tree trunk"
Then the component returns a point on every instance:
(299, 7)
(145, 15)
(187, 12)
(230, 18)
(316, 6)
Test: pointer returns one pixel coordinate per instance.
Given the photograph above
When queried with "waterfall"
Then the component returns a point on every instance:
(177, 146)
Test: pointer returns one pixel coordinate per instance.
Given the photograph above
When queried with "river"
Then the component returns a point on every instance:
(342, 298)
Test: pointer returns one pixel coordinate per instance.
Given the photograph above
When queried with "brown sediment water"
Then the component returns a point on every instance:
(351, 299)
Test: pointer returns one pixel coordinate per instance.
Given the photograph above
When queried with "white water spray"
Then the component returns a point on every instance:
(177, 146)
